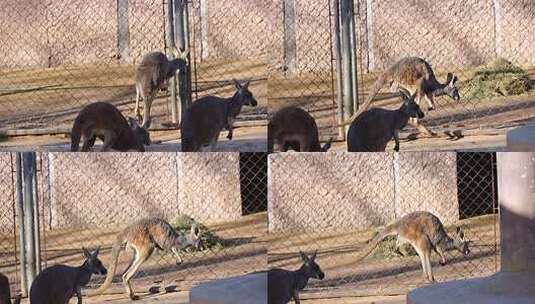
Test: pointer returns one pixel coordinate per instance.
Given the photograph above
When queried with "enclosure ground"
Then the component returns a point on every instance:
(243, 252)
(381, 274)
(169, 298)
(401, 299)
(246, 139)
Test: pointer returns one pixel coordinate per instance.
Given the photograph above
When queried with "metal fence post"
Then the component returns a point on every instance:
(181, 23)
(28, 218)
(345, 19)
(170, 41)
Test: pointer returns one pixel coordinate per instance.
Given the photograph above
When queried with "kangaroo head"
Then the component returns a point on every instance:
(194, 238)
(179, 63)
(244, 95)
(141, 132)
(460, 242)
(410, 107)
(92, 261)
(327, 145)
(450, 89)
(311, 269)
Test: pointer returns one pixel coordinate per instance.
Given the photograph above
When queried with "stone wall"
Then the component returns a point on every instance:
(338, 191)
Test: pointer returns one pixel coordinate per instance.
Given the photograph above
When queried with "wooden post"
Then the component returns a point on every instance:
(290, 43)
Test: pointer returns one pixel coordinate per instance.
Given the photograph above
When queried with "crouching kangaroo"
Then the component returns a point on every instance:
(152, 75)
(373, 129)
(416, 76)
(143, 237)
(57, 284)
(206, 117)
(104, 121)
(5, 291)
(294, 128)
(283, 285)
(425, 232)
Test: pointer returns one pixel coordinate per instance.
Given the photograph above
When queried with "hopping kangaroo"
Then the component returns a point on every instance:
(152, 75)
(373, 129)
(206, 117)
(415, 75)
(283, 285)
(294, 128)
(57, 284)
(5, 292)
(143, 237)
(425, 232)
(102, 120)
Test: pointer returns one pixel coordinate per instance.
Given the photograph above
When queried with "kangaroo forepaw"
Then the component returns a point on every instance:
(134, 297)
(229, 136)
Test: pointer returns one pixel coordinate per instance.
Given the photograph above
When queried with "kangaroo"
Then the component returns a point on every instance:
(152, 75)
(57, 284)
(206, 117)
(293, 127)
(372, 130)
(425, 232)
(283, 285)
(104, 121)
(5, 291)
(143, 237)
(415, 75)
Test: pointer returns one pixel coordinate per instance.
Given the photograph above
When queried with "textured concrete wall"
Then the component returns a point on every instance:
(89, 189)
(337, 191)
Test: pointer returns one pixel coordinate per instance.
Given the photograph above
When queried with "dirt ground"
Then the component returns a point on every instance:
(167, 298)
(246, 139)
(243, 252)
(401, 299)
(380, 274)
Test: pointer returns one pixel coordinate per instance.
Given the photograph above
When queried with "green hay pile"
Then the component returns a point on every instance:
(210, 240)
(497, 78)
(386, 250)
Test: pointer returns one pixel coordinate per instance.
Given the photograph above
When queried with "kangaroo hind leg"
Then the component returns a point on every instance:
(141, 257)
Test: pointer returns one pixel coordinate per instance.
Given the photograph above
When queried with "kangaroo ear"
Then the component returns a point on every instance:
(146, 126)
(86, 252)
(245, 86)
(454, 80)
(237, 84)
(132, 122)
(95, 253)
(313, 257)
(304, 257)
(194, 231)
(449, 78)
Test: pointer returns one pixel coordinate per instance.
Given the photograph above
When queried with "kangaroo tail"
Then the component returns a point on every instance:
(76, 134)
(389, 230)
(377, 85)
(113, 268)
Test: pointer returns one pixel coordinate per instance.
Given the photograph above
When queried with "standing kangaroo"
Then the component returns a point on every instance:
(104, 121)
(57, 284)
(206, 117)
(425, 232)
(372, 130)
(143, 237)
(5, 291)
(293, 127)
(415, 75)
(283, 285)
(152, 75)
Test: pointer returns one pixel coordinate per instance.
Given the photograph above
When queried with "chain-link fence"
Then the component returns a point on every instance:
(355, 194)
(9, 262)
(87, 199)
(58, 57)
(486, 44)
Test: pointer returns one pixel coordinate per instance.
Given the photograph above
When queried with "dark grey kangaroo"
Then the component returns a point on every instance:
(152, 75)
(283, 285)
(59, 283)
(206, 117)
(5, 292)
(104, 121)
(292, 127)
(372, 130)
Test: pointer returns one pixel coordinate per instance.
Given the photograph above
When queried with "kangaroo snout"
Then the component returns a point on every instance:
(321, 275)
(430, 108)
(421, 114)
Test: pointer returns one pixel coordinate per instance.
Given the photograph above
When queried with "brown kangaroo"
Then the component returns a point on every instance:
(59, 283)
(5, 291)
(292, 127)
(152, 75)
(283, 285)
(416, 76)
(104, 121)
(425, 232)
(143, 237)
(372, 130)
(209, 115)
